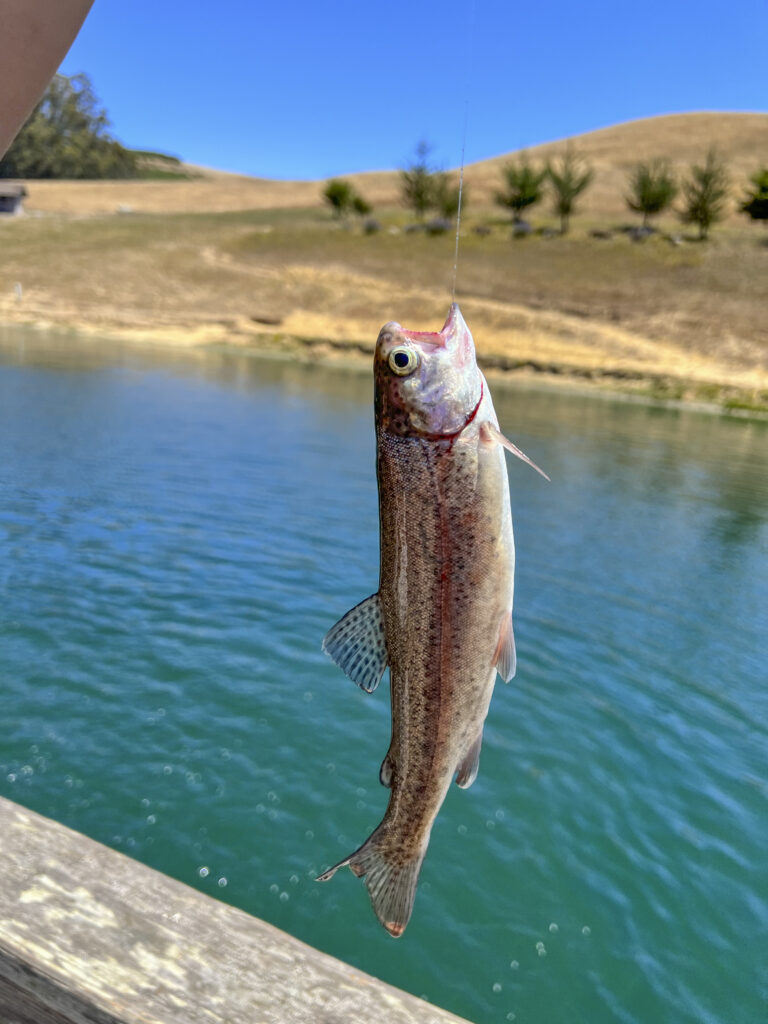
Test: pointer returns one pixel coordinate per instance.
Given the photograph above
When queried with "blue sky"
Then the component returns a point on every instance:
(307, 90)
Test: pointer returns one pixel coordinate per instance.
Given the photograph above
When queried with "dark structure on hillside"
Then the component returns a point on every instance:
(11, 197)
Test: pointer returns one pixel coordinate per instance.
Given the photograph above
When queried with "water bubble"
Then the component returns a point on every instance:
(294, 879)
(360, 805)
(554, 927)
(539, 944)
(68, 781)
(309, 834)
(511, 1016)
(11, 776)
(160, 712)
(27, 770)
(542, 951)
(490, 824)
(151, 819)
(221, 882)
(260, 808)
(307, 696)
(167, 769)
(203, 872)
(130, 842)
(499, 815)
(225, 754)
(145, 802)
(330, 767)
(274, 888)
(462, 830)
(34, 749)
(586, 930)
(360, 790)
(496, 987)
(514, 964)
(284, 897)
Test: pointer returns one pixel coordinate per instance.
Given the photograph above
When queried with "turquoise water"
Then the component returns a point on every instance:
(176, 534)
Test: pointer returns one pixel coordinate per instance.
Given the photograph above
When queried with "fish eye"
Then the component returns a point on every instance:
(403, 361)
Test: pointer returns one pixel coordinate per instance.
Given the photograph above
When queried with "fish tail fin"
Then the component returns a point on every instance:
(390, 880)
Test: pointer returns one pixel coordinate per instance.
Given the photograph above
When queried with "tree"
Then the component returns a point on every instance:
(445, 198)
(756, 204)
(704, 193)
(360, 206)
(568, 179)
(339, 194)
(342, 196)
(523, 187)
(652, 188)
(67, 136)
(417, 181)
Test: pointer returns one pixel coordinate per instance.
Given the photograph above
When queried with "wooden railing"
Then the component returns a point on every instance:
(89, 936)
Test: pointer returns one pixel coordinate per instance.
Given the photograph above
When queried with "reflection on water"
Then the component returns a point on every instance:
(178, 530)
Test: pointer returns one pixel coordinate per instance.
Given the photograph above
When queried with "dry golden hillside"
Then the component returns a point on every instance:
(742, 138)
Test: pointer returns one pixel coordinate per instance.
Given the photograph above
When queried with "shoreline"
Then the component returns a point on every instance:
(664, 389)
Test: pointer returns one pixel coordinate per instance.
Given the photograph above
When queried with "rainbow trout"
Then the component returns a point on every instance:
(442, 616)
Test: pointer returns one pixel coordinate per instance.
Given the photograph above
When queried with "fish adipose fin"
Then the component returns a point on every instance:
(356, 644)
(467, 772)
(391, 885)
(491, 433)
(505, 655)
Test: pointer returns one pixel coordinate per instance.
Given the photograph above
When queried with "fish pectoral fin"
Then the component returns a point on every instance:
(505, 655)
(467, 772)
(356, 644)
(492, 434)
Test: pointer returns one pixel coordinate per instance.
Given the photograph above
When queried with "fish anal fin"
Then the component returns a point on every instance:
(505, 656)
(391, 881)
(467, 772)
(491, 434)
(357, 645)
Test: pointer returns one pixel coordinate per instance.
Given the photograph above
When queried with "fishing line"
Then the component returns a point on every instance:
(467, 74)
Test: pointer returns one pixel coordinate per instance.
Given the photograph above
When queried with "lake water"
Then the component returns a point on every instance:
(178, 531)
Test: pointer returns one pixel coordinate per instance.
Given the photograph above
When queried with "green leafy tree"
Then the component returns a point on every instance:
(756, 203)
(568, 177)
(704, 193)
(445, 198)
(417, 182)
(67, 136)
(652, 188)
(523, 187)
(360, 206)
(339, 194)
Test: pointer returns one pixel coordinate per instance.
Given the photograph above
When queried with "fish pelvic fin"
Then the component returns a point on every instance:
(357, 645)
(467, 770)
(390, 879)
(491, 434)
(505, 655)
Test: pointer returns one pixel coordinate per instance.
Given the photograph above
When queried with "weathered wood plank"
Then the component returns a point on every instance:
(89, 936)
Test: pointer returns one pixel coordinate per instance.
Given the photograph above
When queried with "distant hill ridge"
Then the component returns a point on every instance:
(741, 138)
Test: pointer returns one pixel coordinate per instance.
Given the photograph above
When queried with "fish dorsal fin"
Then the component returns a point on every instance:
(505, 656)
(356, 644)
(491, 433)
(467, 772)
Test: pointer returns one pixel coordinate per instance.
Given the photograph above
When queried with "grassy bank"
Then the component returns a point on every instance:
(681, 321)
